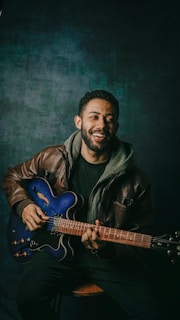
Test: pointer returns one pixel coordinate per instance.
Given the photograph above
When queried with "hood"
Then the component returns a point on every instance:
(121, 159)
(122, 154)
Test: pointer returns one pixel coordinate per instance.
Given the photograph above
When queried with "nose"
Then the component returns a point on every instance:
(102, 123)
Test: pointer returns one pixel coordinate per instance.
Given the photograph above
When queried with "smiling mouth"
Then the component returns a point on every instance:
(99, 135)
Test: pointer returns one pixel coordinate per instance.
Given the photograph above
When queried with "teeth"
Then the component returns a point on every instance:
(99, 135)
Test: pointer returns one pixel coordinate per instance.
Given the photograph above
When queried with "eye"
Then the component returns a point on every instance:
(109, 119)
(94, 117)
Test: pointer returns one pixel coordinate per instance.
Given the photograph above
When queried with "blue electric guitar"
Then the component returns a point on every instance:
(55, 236)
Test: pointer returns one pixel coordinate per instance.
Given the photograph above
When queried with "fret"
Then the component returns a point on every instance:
(134, 238)
(112, 234)
(103, 236)
(80, 228)
(142, 237)
(121, 234)
(105, 232)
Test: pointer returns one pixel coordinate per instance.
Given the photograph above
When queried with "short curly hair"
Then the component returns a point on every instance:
(101, 94)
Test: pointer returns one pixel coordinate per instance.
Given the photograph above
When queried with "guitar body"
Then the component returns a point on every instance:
(24, 243)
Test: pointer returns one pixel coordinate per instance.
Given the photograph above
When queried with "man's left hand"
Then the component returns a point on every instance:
(91, 239)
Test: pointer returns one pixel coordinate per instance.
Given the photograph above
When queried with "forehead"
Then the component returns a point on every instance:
(100, 106)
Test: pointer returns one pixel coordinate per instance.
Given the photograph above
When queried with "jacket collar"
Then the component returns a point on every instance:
(122, 155)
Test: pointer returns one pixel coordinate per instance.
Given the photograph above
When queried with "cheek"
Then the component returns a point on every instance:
(114, 128)
(86, 126)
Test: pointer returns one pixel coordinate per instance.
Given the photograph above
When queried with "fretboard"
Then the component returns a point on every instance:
(77, 228)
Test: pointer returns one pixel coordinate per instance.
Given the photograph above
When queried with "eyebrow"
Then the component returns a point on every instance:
(108, 114)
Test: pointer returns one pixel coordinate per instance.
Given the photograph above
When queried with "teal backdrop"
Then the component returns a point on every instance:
(51, 53)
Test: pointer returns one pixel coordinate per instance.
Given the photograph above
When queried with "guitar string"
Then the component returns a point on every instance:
(83, 226)
(110, 233)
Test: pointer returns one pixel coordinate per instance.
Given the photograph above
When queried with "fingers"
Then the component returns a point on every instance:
(91, 239)
(33, 217)
(98, 223)
(41, 214)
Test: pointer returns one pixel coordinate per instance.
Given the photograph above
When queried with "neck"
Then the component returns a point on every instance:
(93, 156)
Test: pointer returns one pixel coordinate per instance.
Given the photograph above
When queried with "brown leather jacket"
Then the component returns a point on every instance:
(121, 198)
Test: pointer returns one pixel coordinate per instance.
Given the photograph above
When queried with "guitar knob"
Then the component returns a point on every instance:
(14, 242)
(24, 254)
(16, 255)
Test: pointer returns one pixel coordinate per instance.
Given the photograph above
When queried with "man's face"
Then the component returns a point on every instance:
(98, 124)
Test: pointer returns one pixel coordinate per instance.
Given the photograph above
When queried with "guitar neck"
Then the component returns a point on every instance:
(77, 228)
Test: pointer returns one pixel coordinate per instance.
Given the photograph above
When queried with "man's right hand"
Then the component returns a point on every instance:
(33, 217)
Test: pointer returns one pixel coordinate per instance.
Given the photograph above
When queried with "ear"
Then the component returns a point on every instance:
(78, 122)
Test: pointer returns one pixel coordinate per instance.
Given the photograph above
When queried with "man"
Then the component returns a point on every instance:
(95, 163)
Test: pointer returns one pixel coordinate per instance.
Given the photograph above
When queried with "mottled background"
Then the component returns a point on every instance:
(51, 53)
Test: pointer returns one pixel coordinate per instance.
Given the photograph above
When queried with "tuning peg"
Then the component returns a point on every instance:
(169, 252)
(173, 261)
(177, 234)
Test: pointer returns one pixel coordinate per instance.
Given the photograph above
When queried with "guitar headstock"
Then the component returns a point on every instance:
(168, 243)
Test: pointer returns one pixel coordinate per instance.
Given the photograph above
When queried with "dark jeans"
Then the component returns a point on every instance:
(128, 285)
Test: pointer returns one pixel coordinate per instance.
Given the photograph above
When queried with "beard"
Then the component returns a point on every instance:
(99, 148)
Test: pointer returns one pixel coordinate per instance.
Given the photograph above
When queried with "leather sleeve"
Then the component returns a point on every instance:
(15, 181)
(48, 163)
